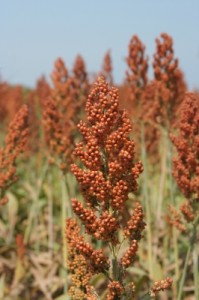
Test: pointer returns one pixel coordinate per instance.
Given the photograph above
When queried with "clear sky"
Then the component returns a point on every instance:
(33, 33)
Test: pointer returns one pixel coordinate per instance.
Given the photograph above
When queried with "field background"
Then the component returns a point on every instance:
(50, 63)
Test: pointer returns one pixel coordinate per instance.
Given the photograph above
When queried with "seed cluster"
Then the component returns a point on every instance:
(98, 262)
(161, 285)
(135, 225)
(57, 116)
(138, 66)
(62, 110)
(103, 228)
(115, 290)
(80, 273)
(11, 99)
(130, 255)
(186, 165)
(81, 84)
(174, 218)
(187, 211)
(15, 143)
(108, 174)
(141, 96)
(169, 86)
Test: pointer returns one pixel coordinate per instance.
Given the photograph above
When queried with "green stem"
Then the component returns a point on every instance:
(172, 198)
(50, 214)
(115, 269)
(147, 203)
(35, 197)
(184, 273)
(196, 271)
(64, 202)
(163, 172)
(190, 248)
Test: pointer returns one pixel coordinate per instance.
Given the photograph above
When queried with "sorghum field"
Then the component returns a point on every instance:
(99, 183)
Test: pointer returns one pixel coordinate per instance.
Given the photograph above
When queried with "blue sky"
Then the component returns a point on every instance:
(35, 32)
